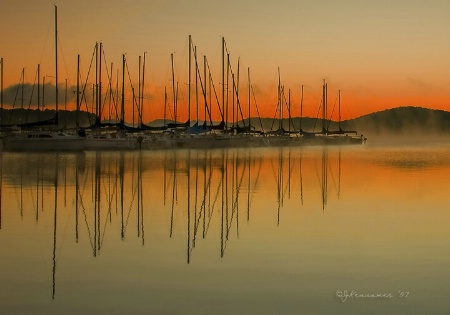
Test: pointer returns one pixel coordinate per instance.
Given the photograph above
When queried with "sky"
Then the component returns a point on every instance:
(379, 54)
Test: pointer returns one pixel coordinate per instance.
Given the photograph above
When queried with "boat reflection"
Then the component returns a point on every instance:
(113, 196)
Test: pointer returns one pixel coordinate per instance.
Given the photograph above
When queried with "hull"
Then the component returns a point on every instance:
(43, 142)
(110, 144)
(242, 141)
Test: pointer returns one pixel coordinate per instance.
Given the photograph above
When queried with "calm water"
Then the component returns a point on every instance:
(261, 231)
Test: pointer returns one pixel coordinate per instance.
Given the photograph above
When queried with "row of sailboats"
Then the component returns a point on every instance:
(109, 135)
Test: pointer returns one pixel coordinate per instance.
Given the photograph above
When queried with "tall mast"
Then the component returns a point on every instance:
(65, 97)
(96, 84)
(78, 94)
(38, 88)
(196, 82)
(110, 93)
(174, 92)
(249, 92)
(326, 104)
(280, 123)
(301, 111)
(139, 89)
(237, 92)
(142, 89)
(43, 91)
(122, 118)
(1, 82)
(56, 58)
(223, 76)
(165, 104)
(323, 106)
(289, 110)
(23, 85)
(189, 81)
(99, 95)
(339, 103)
(204, 91)
(228, 84)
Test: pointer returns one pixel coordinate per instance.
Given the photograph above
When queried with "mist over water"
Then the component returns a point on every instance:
(228, 231)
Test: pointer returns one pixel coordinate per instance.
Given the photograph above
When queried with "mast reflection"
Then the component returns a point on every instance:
(113, 196)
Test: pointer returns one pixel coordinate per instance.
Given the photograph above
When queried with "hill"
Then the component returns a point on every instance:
(396, 121)
(407, 120)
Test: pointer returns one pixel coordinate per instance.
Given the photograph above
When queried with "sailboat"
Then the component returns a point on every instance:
(98, 139)
(45, 140)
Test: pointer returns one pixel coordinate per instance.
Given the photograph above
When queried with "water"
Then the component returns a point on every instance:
(258, 231)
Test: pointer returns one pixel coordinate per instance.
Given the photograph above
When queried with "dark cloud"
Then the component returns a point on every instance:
(12, 95)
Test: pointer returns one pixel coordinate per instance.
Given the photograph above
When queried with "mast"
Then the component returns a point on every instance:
(289, 110)
(56, 61)
(65, 97)
(43, 91)
(323, 107)
(173, 89)
(249, 92)
(196, 82)
(237, 93)
(204, 91)
(189, 81)
(96, 84)
(301, 111)
(223, 78)
(139, 91)
(326, 103)
(38, 88)
(142, 90)
(280, 124)
(99, 93)
(1, 83)
(110, 93)
(165, 104)
(339, 107)
(78, 95)
(23, 85)
(228, 84)
(122, 118)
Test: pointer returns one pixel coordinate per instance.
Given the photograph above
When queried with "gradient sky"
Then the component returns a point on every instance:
(380, 54)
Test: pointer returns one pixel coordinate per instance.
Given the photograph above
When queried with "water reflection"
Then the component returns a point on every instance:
(126, 211)
(106, 192)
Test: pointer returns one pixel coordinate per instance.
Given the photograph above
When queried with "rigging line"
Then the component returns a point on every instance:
(201, 85)
(317, 116)
(109, 75)
(257, 108)
(31, 96)
(256, 182)
(273, 119)
(83, 92)
(332, 176)
(332, 111)
(50, 24)
(86, 221)
(236, 92)
(134, 101)
(130, 208)
(215, 92)
(287, 183)
(235, 88)
(61, 52)
(288, 108)
(15, 97)
(207, 189)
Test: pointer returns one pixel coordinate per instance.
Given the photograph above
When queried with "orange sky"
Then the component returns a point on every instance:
(380, 54)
